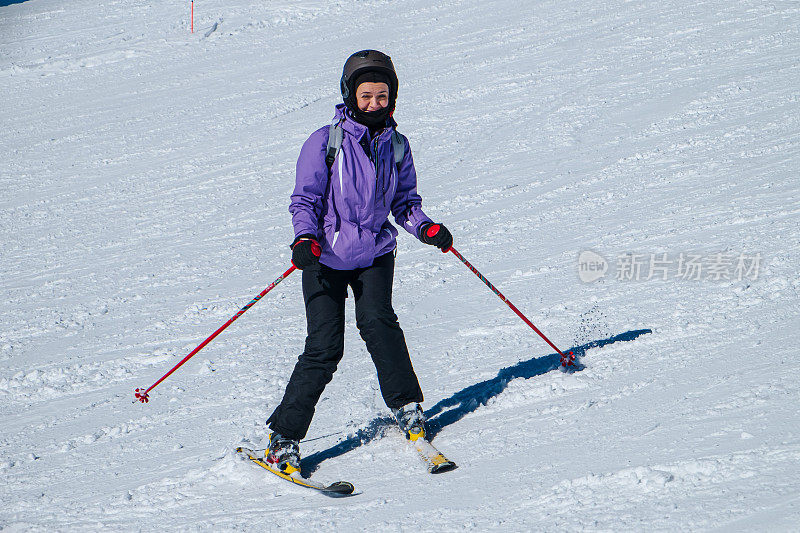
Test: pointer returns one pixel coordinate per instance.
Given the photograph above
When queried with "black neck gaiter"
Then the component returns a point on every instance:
(372, 119)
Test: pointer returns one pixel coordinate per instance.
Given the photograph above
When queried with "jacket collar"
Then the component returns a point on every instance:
(354, 128)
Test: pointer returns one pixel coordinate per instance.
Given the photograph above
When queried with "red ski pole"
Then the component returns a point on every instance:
(142, 395)
(566, 359)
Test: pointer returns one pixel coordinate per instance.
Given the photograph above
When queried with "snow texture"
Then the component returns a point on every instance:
(144, 186)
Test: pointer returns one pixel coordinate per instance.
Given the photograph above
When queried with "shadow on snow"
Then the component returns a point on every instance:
(463, 402)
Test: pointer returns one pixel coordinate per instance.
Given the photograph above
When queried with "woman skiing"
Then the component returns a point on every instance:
(350, 177)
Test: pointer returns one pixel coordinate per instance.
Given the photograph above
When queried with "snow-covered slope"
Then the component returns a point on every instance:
(144, 184)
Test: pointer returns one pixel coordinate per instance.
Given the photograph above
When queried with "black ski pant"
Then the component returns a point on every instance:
(324, 292)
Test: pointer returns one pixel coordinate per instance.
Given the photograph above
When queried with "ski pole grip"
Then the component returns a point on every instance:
(432, 230)
(315, 249)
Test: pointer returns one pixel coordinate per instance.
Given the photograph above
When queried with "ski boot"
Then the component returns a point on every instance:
(283, 453)
(411, 420)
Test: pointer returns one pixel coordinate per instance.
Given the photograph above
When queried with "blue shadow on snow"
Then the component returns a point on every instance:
(4, 3)
(467, 400)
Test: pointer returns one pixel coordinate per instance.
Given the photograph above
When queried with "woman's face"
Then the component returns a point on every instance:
(372, 96)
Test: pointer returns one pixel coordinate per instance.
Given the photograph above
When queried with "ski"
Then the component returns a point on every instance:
(339, 488)
(433, 458)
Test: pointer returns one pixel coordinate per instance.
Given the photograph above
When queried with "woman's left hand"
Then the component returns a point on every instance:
(436, 235)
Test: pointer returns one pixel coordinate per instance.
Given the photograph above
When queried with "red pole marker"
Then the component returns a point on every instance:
(192, 16)
(142, 395)
(567, 359)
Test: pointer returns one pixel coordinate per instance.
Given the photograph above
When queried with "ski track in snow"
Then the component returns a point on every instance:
(145, 181)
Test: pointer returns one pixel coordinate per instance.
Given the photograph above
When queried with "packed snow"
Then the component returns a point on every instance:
(625, 172)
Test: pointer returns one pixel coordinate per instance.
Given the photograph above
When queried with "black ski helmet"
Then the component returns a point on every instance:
(364, 61)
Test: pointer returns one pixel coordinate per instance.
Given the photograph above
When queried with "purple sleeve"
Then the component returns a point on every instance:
(310, 184)
(407, 204)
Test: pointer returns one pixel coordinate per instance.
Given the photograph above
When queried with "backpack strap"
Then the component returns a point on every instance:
(399, 148)
(335, 138)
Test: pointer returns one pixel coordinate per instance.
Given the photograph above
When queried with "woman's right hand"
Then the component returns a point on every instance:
(305, 251)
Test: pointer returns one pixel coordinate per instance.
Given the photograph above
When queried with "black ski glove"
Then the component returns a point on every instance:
(305, 251)
(436, 235)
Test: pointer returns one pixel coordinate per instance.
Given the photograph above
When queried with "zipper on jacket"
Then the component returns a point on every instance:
(374, 153)
(375, 160)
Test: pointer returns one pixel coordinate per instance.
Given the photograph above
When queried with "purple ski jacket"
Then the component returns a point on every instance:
(348, 210)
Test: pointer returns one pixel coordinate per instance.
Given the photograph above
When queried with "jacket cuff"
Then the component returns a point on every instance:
(422, 228)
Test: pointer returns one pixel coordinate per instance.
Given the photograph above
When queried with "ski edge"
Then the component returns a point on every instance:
(338, 488)
(435, 460)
